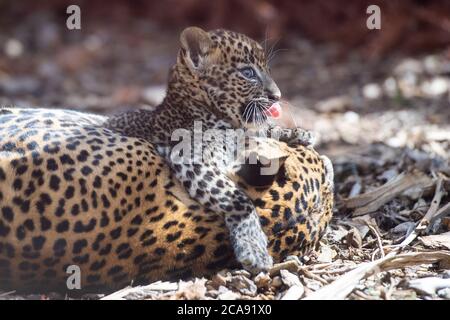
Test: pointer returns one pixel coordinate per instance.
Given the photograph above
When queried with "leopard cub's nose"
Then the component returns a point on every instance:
(274, 96)
(273, 93)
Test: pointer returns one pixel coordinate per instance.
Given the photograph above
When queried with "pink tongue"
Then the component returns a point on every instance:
(274, 111)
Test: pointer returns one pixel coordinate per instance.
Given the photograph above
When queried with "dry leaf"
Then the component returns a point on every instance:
(326, 254)
(192, 290)
(354, 238)
(437, 241)
(371, 201)
(338, 234)
(446, 222)
(429, 285)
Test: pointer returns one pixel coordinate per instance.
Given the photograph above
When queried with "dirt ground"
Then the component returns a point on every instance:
(385, 124)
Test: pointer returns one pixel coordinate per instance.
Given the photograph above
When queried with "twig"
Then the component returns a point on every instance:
(425, 222)
(290, 265)
(444, 211)
(336, 271)
(388, 293)
(142, 291)
(311, 275)
(4, 294)
(435, 202)
(319, 266)
(364, 296)
(379, 242)
(386, 243)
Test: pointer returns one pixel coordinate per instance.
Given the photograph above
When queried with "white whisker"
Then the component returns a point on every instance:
(254, 113)
(271, 50)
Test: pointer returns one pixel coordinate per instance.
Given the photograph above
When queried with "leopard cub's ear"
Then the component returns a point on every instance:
(197, 47)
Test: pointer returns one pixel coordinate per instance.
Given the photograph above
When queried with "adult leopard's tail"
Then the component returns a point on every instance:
(329, 171)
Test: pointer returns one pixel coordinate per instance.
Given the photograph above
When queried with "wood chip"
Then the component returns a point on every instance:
(294, 293)
(289, 279)
(244, 285)
(228, 295)
(262, 280)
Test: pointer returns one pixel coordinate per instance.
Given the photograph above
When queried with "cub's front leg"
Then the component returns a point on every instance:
(215, 191)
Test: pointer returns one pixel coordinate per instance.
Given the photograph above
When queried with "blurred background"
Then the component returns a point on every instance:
(378, 100)
(352, 85)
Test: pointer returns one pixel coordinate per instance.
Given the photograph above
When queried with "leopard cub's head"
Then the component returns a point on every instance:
(226, 72)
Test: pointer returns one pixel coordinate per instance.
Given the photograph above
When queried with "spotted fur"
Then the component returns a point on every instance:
(73, 192)
(221, 81)
(101, 193)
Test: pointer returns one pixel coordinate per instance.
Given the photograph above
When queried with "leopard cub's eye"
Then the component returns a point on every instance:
(248, 72)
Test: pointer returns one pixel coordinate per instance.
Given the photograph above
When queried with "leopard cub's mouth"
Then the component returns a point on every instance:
(274, 110)
(258, 111)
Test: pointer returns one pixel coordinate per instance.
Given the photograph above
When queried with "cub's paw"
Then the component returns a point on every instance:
(251, 251)
(302, 137)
